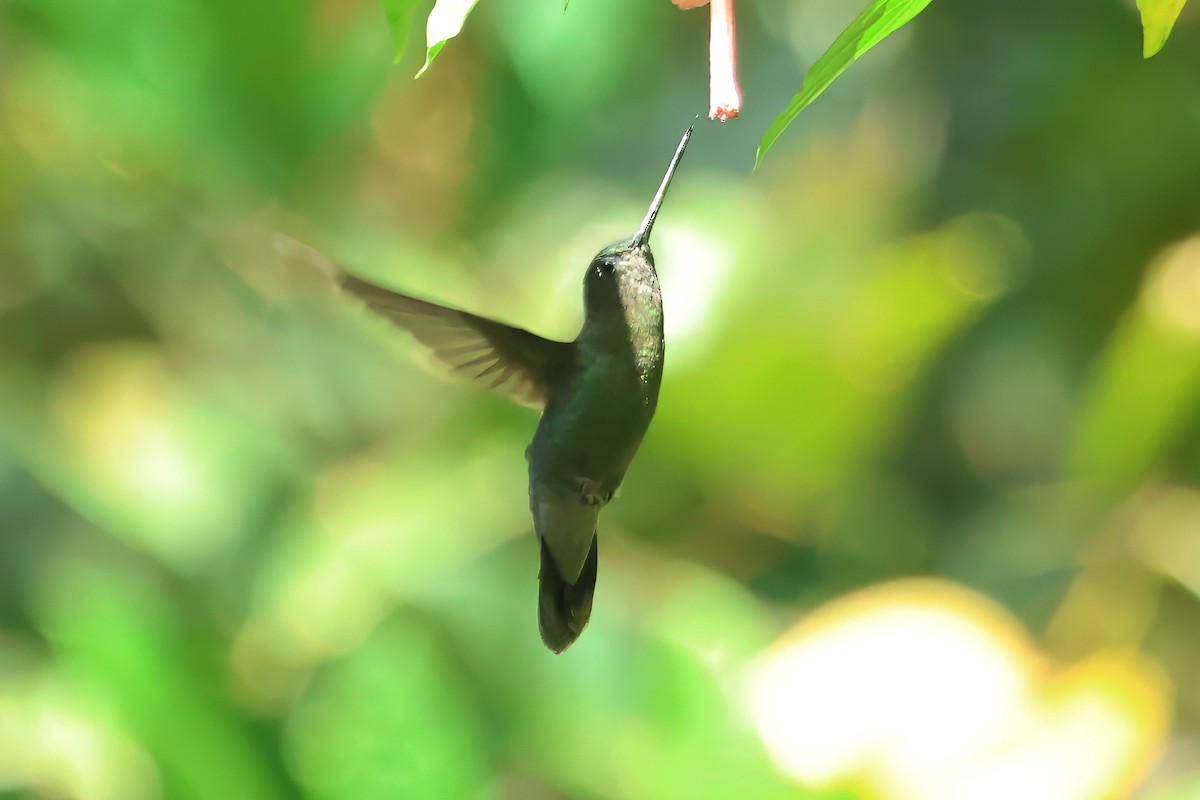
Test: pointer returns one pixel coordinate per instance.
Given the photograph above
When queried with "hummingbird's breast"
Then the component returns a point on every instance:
(593, 426)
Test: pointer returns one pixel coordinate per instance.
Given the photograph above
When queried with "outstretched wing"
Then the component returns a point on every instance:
(508, 360)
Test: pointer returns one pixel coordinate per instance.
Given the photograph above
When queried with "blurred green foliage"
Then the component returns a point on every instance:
(251, 547)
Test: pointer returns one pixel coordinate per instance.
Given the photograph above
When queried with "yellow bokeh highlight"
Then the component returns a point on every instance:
(150, 463)
(1164, 531)
(1171, 293)
(926, 690)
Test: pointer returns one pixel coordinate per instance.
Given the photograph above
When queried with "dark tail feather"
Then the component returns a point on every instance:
(564, 608)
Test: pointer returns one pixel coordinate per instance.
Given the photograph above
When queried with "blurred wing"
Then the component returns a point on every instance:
(507, 360)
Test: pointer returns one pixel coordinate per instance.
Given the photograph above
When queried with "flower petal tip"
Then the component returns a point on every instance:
(724, 113)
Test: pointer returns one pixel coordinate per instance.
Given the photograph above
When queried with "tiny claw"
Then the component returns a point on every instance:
(591, 492)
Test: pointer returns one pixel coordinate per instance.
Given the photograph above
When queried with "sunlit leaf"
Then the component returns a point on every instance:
(399, 15)
(445, 21)
(1158, 17)
(870, 28)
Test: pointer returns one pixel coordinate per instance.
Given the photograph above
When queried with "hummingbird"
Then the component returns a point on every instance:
(598, 394)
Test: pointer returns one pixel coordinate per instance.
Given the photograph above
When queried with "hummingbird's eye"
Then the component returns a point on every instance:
(605, 267)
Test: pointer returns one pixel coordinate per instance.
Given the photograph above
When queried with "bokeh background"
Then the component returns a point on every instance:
(919, 515)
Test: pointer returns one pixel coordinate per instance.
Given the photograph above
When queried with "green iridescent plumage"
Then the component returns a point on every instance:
(598, 395)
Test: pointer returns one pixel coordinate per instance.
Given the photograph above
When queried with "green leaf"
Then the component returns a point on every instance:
(1158, 17)
(445, 21)
(870, 28)
(399, 15)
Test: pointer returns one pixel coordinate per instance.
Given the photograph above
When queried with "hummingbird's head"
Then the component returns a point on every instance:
(623, 273)
(618, 274)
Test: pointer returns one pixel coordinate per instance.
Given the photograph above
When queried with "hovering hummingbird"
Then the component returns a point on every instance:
(598, 395)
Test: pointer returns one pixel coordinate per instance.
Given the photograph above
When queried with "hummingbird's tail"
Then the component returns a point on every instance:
(564, 608)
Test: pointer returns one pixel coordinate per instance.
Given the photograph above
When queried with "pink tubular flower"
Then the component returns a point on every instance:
(724, 96)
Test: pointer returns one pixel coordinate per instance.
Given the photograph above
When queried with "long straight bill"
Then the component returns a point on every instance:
(643, 235)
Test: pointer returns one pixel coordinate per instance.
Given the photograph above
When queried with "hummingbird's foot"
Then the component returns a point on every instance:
(592, 493)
